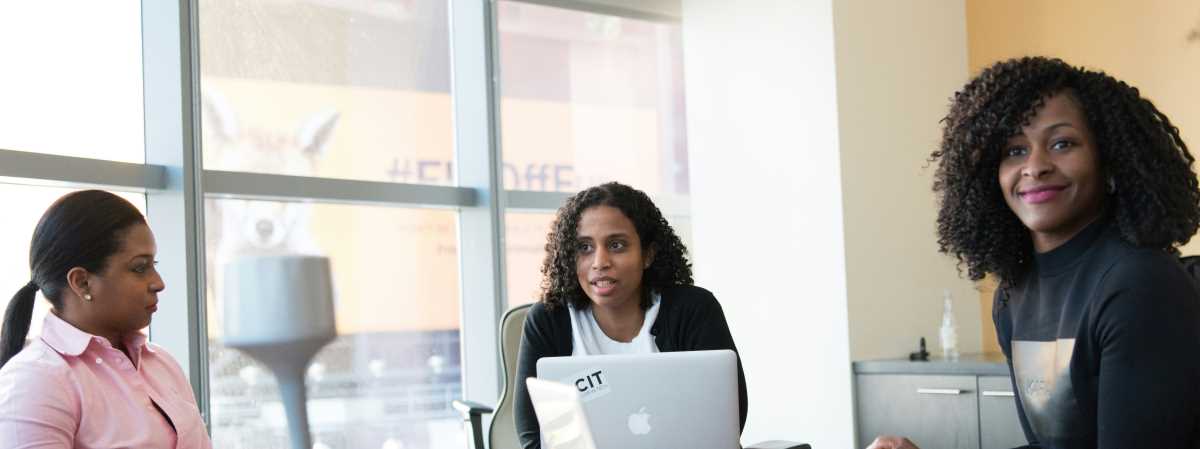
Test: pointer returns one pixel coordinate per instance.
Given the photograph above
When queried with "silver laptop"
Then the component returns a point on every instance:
(646, 401)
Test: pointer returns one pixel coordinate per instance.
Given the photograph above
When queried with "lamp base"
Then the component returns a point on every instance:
(288, 361)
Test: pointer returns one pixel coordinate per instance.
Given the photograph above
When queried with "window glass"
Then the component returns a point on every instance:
(388, 378)
(351, 90)
(588, 98)
(72, 82)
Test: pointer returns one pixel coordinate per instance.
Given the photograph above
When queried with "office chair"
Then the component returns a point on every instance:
(1192, 265)
(503, 432)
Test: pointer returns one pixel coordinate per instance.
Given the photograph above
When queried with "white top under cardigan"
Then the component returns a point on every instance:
(588, 339)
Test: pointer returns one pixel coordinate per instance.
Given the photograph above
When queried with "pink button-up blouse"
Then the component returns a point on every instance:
(72, 390)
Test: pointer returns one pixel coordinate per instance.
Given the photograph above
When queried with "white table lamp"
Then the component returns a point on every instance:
(279, 311)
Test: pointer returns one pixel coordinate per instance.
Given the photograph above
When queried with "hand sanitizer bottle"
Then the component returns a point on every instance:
(949, 332)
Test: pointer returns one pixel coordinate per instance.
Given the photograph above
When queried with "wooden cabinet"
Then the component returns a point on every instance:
(938, 411)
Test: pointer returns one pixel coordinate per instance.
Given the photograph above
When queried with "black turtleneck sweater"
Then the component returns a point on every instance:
(1103, 342)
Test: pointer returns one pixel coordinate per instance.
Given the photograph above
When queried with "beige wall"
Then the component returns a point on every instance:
(897, 63)
(1145, 43)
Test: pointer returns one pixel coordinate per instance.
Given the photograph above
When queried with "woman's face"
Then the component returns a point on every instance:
(125, 292)
(609, 258)
(1050, 173)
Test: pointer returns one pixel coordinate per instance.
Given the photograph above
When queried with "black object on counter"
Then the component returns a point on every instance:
(921, 355)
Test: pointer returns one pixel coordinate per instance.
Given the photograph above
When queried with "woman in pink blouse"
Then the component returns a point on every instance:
(91, 380)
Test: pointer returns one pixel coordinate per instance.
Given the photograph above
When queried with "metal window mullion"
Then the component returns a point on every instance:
(344, 191)
(176, 212)
(481, 227)
(78, 171)
(670, 205)
(534, 201)
(666, 11)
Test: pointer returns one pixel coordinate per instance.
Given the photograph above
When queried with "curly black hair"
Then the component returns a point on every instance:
(670, 265)
(1156, 203)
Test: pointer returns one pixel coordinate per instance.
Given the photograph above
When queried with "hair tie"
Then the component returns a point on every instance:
(33, 285)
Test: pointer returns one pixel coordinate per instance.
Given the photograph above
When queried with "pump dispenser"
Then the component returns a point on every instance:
(949, 331)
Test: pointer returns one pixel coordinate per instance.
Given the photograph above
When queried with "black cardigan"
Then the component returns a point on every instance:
(689, 319)
(1103, 341)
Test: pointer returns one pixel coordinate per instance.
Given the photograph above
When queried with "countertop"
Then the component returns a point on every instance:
(985, 364)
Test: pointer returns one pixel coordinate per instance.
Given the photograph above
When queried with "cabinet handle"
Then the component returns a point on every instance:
(1000, 394)
(947, 391)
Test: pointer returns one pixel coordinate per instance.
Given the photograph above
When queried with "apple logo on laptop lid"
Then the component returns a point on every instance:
(639, 422)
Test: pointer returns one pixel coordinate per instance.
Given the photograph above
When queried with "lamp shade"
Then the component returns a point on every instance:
(278, 299)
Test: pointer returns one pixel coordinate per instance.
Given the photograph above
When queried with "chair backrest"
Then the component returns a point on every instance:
(1192, 265)
(503, 431)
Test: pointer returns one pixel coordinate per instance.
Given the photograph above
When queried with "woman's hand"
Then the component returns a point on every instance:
(891, 442)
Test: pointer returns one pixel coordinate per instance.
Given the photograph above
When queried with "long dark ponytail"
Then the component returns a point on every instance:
(81, 229)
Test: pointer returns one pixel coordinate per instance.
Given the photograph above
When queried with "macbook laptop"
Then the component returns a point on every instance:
(663, 400)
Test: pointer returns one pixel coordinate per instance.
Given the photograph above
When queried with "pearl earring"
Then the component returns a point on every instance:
(87, 296)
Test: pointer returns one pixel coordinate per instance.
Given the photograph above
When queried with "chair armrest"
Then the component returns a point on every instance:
(470, 408)
(472, 413)
(778, 444)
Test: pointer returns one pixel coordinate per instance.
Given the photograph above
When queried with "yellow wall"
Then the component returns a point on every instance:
(891, 94)
(1145, 43)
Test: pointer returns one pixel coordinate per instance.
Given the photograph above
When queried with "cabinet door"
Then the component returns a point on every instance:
(935, 412)
(999, 427)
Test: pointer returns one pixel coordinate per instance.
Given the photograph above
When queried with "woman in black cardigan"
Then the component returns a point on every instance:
(615, 280)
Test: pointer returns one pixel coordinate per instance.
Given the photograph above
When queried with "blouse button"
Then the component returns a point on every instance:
(99, 360)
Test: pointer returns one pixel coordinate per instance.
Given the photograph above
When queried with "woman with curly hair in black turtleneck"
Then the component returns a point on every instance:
(1075, 192)
(616, 280)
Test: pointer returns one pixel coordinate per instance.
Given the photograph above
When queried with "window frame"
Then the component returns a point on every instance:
(176, 185)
